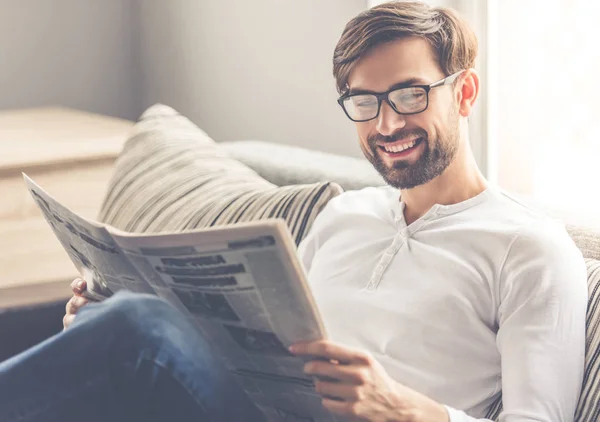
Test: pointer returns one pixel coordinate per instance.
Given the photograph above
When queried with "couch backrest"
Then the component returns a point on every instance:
(287, 165)
(586, 239)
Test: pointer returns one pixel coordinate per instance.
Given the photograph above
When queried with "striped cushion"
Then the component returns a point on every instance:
(588, 409)
(171, 176)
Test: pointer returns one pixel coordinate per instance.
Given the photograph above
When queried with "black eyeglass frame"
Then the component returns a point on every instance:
(385, 96)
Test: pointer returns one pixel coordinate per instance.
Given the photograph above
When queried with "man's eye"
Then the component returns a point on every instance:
(363, 101)
(412, 97)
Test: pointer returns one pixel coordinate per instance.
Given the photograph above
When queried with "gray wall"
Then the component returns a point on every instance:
(68, 52)
(243, 69)
(240, 69)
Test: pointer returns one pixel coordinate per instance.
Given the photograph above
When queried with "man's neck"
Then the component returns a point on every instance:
(460, 181)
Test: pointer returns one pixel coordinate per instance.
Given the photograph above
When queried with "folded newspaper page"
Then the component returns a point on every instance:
(241, 285)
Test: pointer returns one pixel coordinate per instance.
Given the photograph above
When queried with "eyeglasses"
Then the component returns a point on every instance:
(412, 99)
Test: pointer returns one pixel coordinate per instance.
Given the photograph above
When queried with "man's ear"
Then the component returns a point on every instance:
(468, 90)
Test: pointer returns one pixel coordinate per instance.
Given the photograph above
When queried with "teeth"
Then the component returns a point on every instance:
(398, 148)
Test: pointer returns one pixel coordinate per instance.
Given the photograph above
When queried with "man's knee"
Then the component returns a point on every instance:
(134, 313)
(153, 323)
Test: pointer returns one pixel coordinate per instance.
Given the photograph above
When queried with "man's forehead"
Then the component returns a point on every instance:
(408, 60)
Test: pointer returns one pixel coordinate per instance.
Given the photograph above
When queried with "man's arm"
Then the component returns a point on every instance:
(542, 295)
(542, 301)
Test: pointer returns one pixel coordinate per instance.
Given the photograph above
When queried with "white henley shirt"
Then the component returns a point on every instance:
(472, 300)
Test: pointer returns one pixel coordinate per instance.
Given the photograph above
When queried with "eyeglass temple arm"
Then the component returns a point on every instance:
(447, 81)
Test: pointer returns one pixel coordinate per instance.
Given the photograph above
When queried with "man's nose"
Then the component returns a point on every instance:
(388, 121)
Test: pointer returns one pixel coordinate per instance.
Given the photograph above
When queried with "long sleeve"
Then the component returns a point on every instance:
(542, 293)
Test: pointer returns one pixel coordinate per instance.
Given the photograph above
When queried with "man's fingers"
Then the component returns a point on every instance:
(78, 302)
(68, 306)
(72, 307)
(75, 303)
(331, 371)
(337, 391)
(331, 351)
(68, 320)
(78, 286)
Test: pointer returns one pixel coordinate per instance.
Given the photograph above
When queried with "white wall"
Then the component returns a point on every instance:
(242, 69)
(75, 53)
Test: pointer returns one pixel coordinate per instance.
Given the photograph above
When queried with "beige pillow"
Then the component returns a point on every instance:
(171, 176)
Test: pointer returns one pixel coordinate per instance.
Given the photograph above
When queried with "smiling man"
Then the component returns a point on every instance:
(440, 293)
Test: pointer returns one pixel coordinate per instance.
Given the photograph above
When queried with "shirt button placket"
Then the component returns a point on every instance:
(385, 260)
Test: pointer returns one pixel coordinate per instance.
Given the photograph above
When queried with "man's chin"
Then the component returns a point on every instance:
(396, 180)
(408, 177)
(399, 174)
(384, 163)
(394, 175)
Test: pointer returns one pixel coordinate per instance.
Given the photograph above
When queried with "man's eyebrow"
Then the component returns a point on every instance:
(403, 84)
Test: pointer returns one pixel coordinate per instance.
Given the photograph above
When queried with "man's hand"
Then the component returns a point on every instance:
(78, 286)
(353, 384)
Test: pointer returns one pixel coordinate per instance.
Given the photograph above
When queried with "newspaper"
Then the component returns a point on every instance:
(241, 285)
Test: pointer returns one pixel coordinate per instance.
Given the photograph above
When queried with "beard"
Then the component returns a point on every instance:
(438, 153)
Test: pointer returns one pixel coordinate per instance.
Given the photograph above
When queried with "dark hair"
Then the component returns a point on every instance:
(451, 38)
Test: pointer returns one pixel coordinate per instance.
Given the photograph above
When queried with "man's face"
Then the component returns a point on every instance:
(434, 132)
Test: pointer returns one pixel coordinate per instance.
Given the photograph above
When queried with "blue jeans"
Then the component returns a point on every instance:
(131, 358)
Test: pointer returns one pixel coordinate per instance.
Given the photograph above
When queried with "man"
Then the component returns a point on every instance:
(439, 292)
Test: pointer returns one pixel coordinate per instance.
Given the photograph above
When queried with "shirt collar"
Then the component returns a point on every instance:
(397, 205)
